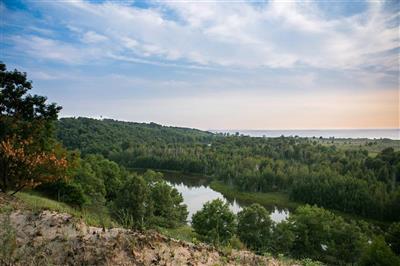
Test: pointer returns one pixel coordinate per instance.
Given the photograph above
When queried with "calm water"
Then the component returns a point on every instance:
(196, 192)
(393, 133)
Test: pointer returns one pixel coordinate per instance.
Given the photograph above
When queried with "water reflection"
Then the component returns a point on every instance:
(196, 192)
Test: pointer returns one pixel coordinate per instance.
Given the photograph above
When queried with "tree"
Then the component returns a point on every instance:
(378, 253)
(215, 223)
(25, 166)
(167, 203)
(393, 237)
(66, 191)
(28, 152)
(254, 227)
(133, 200)
(110, 173)
(323, 236)
(282, 238)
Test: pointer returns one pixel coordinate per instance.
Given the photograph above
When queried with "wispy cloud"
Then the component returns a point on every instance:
(277, 34)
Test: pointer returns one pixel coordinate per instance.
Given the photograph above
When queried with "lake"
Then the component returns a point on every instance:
(196, 192)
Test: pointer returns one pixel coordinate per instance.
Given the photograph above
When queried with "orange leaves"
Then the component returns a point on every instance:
(27, 167)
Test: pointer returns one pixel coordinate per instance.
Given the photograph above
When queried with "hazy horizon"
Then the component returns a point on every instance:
(227, 65)
(227, 129)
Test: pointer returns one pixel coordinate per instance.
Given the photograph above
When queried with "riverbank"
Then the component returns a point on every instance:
(278, 199)
(281, 200)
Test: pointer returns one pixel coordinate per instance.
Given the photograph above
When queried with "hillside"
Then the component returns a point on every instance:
(103, 136)
(52, 238)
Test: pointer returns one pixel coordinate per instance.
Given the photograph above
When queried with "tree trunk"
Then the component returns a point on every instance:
(18, 189)
(4, 174)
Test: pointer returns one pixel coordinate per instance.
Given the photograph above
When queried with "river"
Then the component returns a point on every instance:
(196, 191)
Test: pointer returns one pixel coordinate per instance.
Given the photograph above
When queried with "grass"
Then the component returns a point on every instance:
(36, 202)
(266, 199)
(372, 146)
(184, 233)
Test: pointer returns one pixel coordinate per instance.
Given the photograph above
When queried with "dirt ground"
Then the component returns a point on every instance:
(50, 238)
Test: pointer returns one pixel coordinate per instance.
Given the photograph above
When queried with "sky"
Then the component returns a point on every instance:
(211, 64)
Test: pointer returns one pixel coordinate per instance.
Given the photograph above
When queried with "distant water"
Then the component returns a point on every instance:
(393, 133)
(196, 192)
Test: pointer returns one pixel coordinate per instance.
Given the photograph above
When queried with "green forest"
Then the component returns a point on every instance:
(88, 164)
(346, 180)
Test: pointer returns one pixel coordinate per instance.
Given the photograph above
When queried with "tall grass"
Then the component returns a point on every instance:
(37, 202)
(184, 233)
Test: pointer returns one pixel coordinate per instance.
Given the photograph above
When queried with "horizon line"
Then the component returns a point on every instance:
(100, 117)
(313, 129)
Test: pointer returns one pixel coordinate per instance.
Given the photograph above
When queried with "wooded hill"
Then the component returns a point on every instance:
(345, 180)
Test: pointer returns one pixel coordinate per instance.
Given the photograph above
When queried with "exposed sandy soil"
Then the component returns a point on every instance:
(50, 238)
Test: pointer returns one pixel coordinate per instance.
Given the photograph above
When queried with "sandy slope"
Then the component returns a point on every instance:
(50, 238)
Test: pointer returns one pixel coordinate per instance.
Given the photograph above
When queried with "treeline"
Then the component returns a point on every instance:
(107, 136)
(310, 232)
(349, 181)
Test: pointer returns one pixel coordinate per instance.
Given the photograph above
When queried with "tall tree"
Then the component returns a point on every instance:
(254, 227)
(133, 200)
(29, 155)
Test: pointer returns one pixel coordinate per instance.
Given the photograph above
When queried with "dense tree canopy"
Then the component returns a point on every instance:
(345, 180)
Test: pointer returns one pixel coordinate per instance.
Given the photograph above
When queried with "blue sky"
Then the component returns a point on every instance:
(212, 65)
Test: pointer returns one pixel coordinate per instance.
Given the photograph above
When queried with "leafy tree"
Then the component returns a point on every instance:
(26, 167)
(152, 177)
(282, 238)
(393, 237)
(167, 203)
(28, 152)
(133, 199)
(378, 253)
(92, 185)
(69, 192)
(323, 236)
(254, 227)
(109, 172)
(215, 223)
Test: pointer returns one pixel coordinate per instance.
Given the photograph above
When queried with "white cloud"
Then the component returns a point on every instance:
(238, 34)
(93, 37)
(43, 48)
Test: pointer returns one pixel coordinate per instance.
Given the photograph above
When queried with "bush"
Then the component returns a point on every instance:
(254, 227)
(215, 223)
(68, 192)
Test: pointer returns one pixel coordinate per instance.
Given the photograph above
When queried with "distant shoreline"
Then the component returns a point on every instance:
(389, 133)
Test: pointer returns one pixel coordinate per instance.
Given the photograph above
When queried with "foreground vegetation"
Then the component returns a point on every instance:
(35, 202)
(309, 232)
